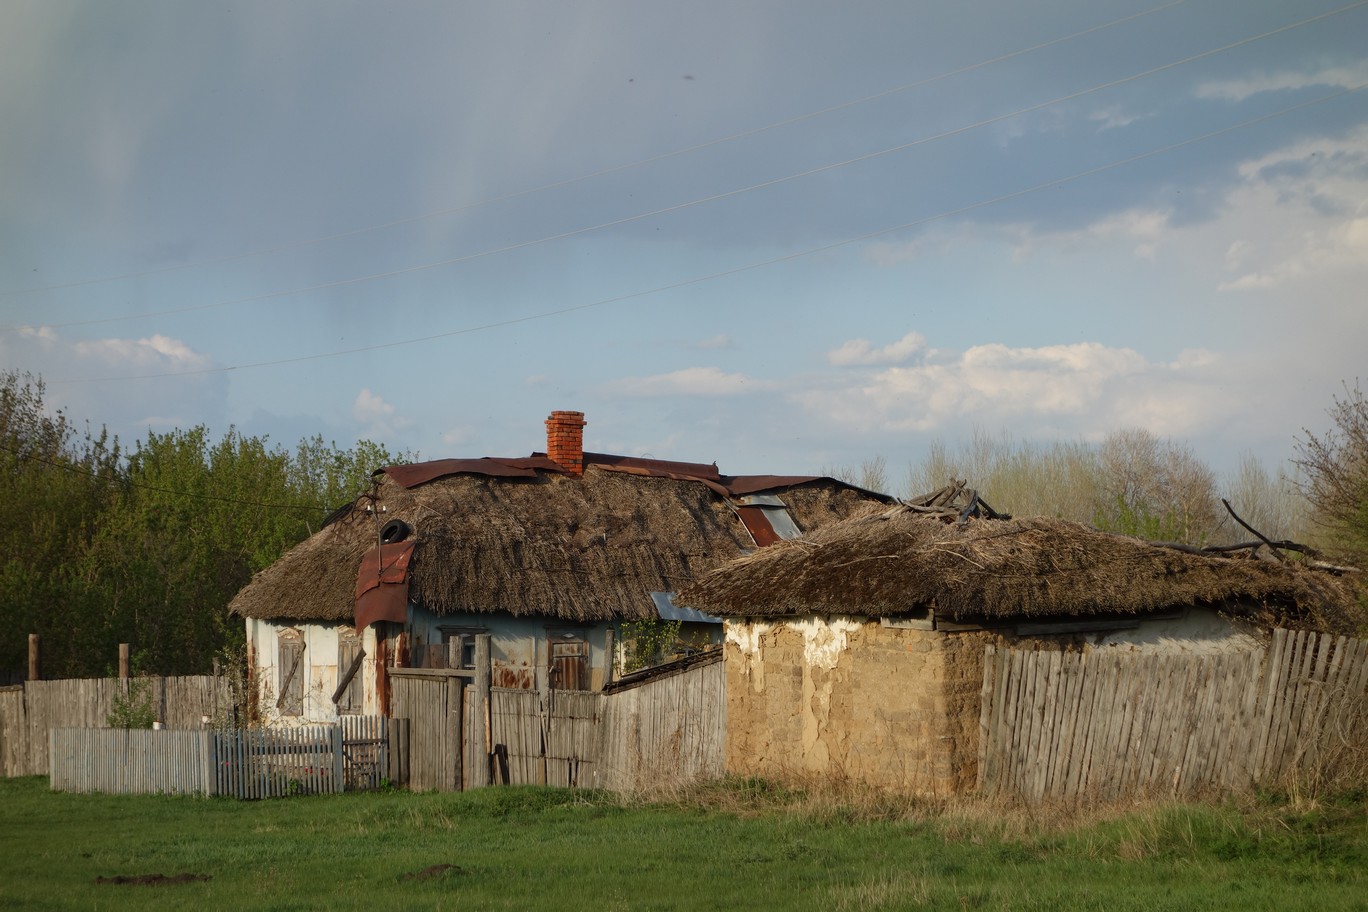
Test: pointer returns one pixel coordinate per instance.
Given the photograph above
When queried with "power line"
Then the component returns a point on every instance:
(980, 204)
(958, 131)
(556, 185)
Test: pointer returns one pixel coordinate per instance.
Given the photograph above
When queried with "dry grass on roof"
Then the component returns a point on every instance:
(898, 561)
(575, 549)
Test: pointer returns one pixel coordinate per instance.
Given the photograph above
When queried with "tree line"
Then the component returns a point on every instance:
(106, 544)
(1135, 483)
(146, 545)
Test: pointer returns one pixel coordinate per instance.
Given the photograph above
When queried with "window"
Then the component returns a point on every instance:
(464, 650)
(349, 653)
(291, 671)
(568, 660)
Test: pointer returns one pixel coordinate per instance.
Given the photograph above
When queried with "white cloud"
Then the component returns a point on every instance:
(1300, 212)
(1287, 80)
(1083, 387)
(862, 351)
(379, 417)
(691, 381)
(718, 342)
(89, 379)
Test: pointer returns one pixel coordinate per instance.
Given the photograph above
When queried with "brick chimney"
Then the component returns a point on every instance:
(565, 440)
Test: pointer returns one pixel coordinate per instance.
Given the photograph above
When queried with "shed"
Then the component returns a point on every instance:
(857, 652)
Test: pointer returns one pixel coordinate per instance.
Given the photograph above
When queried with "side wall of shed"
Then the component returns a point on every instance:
(844, 698)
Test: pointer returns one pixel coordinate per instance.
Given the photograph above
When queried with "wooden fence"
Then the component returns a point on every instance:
(661, 731)
(1067, 725)
(239, 763)
(29, 711)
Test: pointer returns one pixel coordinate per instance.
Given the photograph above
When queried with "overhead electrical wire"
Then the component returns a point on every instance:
(695, 280)
(958, 131)
(614, 169)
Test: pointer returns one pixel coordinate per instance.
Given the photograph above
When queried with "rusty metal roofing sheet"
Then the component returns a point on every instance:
(664, 467)
(410, 476)
(382, 584)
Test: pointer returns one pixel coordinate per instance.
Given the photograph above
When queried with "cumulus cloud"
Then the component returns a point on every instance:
(691, 381)
(379, 417)
(1300, 212)
(1084, 387)
(862, 351)
(126, 385)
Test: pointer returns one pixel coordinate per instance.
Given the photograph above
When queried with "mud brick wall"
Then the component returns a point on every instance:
(845, 698)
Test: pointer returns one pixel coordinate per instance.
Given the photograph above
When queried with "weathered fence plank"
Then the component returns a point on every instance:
(1119, 724)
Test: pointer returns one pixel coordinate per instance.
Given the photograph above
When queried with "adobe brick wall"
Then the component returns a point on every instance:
(848, 699)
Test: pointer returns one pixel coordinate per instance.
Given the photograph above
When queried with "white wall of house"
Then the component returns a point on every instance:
(319, 668)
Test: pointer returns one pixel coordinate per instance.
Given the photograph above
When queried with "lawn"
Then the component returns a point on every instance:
(733, 845)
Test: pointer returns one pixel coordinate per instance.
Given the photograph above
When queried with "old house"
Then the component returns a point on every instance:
(858, 652)
(549, 554)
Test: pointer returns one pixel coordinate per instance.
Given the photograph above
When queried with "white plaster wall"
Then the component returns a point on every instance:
(320, 669)
(1199, 632)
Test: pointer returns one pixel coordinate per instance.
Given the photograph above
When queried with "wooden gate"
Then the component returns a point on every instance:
(433, 705)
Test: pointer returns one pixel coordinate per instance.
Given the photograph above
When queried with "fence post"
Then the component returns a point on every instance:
(35, 667)
(479, 754)
(339, 766)
(124, 663)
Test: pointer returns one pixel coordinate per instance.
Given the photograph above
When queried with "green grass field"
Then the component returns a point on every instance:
(728, 846)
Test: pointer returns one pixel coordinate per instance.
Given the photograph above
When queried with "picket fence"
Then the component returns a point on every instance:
(1111, 725)
(240, 763)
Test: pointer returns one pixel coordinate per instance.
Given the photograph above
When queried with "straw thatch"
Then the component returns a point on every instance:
(902, 561)
(579, 549)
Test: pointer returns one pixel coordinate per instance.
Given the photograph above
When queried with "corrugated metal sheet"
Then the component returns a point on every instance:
(669, 611)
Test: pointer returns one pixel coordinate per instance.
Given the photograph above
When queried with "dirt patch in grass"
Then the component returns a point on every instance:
(152, 880)
(428, 873)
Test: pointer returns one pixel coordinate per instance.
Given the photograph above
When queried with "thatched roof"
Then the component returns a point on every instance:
(522, 536)
(900, 561)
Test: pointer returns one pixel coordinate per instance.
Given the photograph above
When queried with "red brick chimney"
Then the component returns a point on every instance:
(565, 440)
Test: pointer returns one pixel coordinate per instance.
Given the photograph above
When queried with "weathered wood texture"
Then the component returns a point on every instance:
(432, 706)
(250, 763)
(665, 732)
(1112, 725)
(31, 710)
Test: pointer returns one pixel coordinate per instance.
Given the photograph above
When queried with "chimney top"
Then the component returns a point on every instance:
(565, 440)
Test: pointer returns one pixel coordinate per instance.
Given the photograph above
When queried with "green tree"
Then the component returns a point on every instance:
(58, 482)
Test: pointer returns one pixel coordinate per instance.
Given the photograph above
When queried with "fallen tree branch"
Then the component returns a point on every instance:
(1257, 534)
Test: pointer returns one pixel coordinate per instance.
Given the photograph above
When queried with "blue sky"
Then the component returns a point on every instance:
(781, 236)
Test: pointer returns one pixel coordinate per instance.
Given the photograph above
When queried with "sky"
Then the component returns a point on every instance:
(782, 236)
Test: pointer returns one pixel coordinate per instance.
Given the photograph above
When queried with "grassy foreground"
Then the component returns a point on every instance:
(726, 846)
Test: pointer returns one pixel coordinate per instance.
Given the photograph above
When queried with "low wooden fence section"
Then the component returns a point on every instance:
(1065, 725)
(29, 711)
(241, 763)
(666, 731)
(131, 761)
(660, 731)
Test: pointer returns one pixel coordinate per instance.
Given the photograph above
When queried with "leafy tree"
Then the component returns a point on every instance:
(1335, 465)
